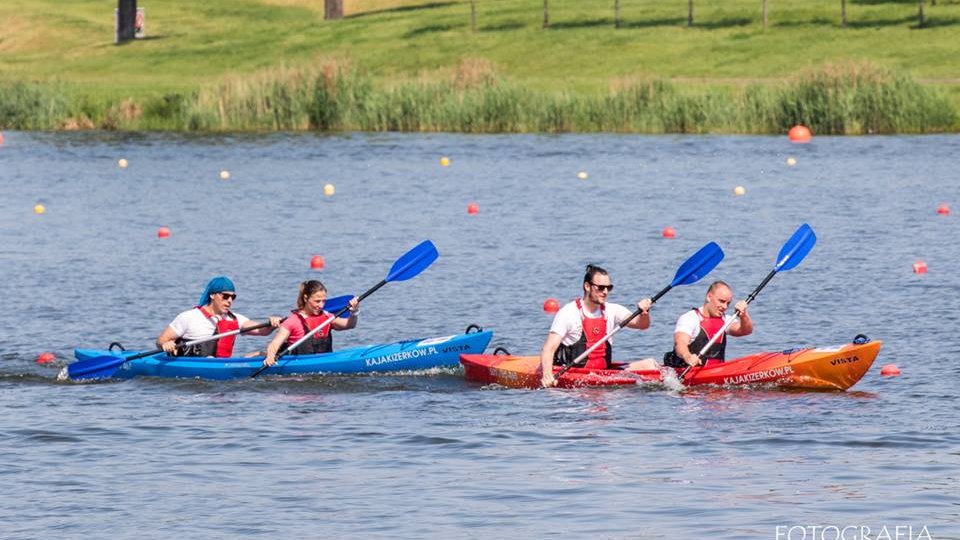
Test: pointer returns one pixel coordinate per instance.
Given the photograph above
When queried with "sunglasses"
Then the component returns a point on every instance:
(607, 288)
(228, 295)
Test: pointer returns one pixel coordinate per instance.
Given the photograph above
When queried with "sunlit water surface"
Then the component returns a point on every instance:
(427, 454)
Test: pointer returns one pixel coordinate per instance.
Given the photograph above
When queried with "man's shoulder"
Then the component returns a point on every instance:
(689, 317)
(189, 314)
(568, 308)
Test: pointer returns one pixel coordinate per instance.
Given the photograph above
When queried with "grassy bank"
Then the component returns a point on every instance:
(330, 96)
(252, 64)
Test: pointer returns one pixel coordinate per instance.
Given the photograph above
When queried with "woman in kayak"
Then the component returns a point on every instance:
(211, 316)
(696, 328)
(309, 315)
(585, 321)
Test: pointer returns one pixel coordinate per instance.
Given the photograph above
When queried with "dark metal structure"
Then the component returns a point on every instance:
(126, 20)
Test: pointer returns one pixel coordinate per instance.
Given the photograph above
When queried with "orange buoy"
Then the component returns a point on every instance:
(473, 208)
(943, 209)
(317, 262)
(919, 267)
(669, 232)
(890, 370)
(551, 305)
(46, 358)
(163, 232)
(800, 134)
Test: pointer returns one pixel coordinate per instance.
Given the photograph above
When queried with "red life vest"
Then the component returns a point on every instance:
(593, 331)
(709, 326)
(224, 323)
(319, 342)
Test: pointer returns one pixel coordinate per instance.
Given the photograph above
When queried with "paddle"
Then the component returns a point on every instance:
(408, 266)
(105, 366)
(791, 254)
(691, 271)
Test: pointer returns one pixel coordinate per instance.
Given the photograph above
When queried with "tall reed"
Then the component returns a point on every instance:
(332, 95)
(33, 106)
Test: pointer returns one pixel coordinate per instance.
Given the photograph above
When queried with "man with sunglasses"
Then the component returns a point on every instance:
(210, 317)
(696, 327)
(585, 321)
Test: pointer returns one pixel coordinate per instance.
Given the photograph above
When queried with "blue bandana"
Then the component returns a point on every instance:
(217, 284)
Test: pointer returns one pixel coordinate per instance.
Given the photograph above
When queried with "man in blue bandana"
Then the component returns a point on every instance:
(211, 316)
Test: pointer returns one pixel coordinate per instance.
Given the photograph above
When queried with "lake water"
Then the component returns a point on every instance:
(428, 454)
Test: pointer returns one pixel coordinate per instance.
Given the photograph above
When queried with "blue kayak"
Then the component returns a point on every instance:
(400, 356)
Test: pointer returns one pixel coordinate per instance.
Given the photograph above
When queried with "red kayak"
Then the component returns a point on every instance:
(833, 368)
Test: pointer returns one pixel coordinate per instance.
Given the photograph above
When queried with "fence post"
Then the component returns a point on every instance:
(332, 9)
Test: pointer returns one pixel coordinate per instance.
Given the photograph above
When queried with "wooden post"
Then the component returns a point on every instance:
(843, 13)
(473, 16)
(764, 15)
(332, 9)
(690, 14)
(920, 25)
(616, 13)
(126, 20)
(546, 14)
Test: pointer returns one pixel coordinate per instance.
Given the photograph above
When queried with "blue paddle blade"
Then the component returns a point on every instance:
(338, 303)
(698, 265)
(100, 367)
(796, 248)
(413, 262)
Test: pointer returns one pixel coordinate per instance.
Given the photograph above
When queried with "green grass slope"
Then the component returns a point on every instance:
(192, 44)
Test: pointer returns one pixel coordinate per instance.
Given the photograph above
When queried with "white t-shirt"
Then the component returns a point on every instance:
(192, 324)
(689, 323)
(567, 321)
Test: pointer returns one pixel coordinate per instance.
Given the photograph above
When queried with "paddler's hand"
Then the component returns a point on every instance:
(693, 360)
(169, 347)
(269, 360)
(741, 307)
(354, 306)
(275, 322)
(547, 380)
(644, 305)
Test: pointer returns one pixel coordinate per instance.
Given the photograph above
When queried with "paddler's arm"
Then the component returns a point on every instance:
(167, 340)
(546, 359)
(642, 321)
(265, 331)
(744, 326)
(274, 346)
(681, 347)
(351, 321)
